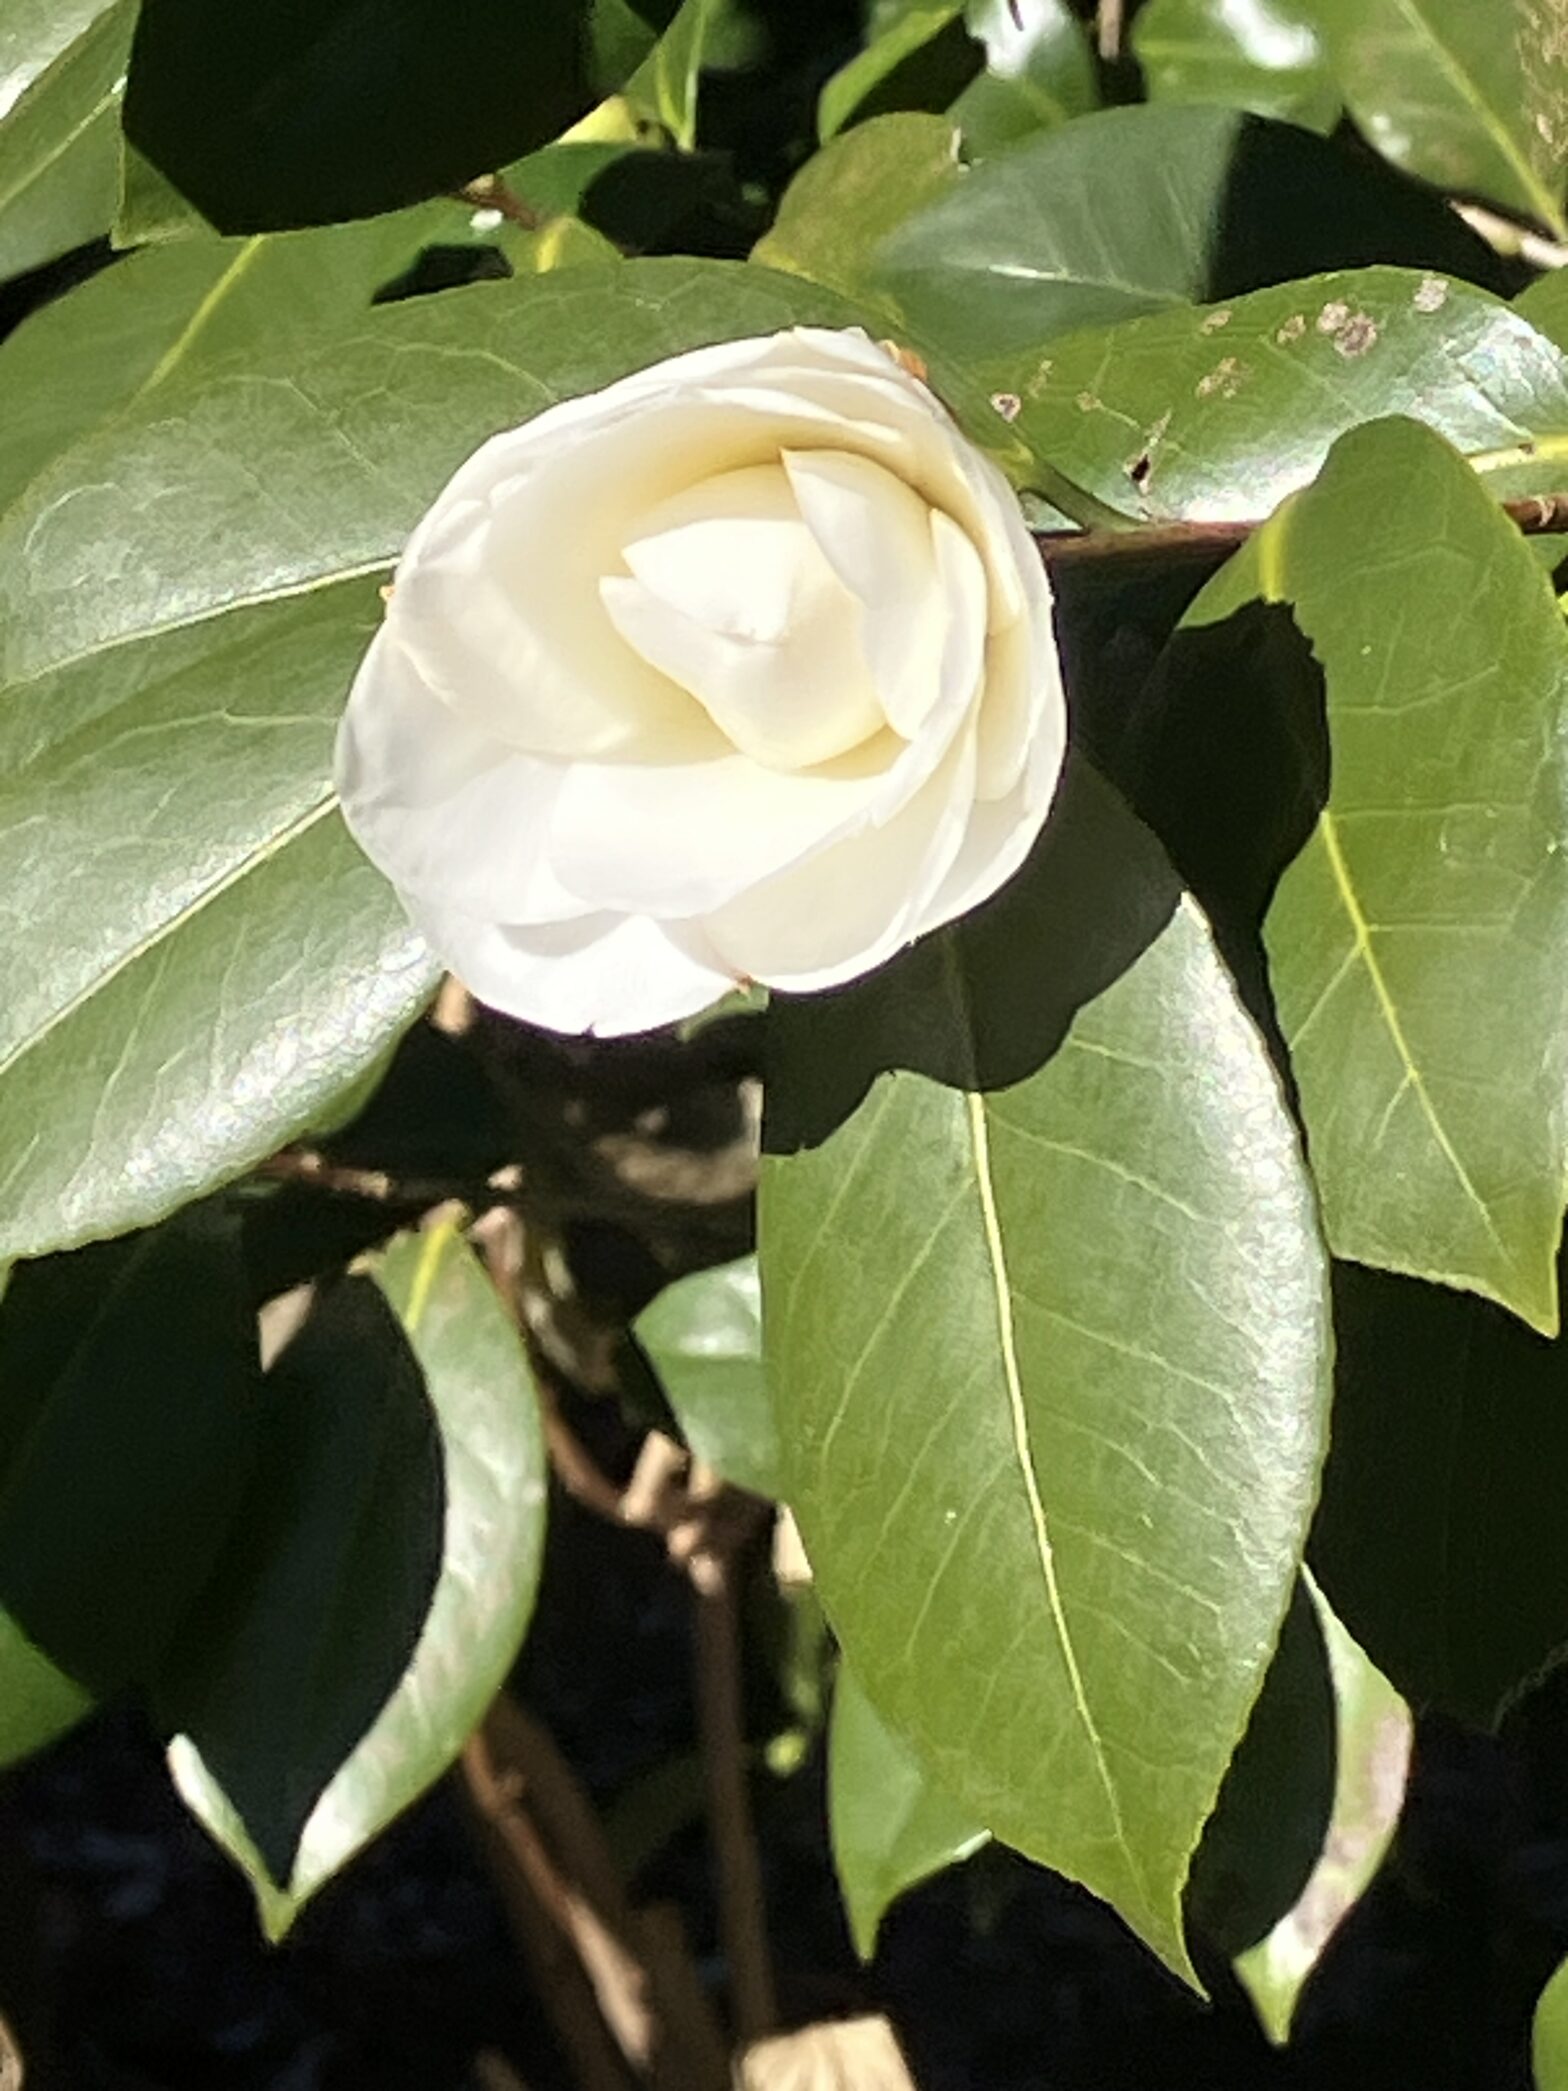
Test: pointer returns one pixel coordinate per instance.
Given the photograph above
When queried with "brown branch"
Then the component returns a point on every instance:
(742, 1909)
(1537, 515)
(490, 193)
(619, 1983)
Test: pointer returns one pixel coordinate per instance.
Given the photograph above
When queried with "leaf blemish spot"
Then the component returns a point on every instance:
(1225, 379)
(1356, 336)
(1214, 321)
(1087, 403)
(1431, 294)
(1333, 316)
(1007, 404)
(1292, 330)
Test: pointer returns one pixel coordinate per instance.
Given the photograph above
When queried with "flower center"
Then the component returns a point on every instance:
(728, 593)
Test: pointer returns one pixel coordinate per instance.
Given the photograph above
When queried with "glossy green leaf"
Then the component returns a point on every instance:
(131, 1403)
(1372, 1744)
(1469, 94)
(1047, 1334)
(304, 111)
(1413, 943)
(703, 1336)
(492, 1454)
(201, 959)
(921, 44)
(1440, 1539)
(123, 333)
(1139, 209)
(1549, 2034)
(891, 1827)
(852, 193)
(61, 64)
(1038, 72)
(1264, 55)
(1224, 411)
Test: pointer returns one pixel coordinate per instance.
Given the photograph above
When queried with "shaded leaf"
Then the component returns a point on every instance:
(202, 959)
(1263, 55)
(1223, 412)
(492, 1455)
(313, 1612)
(1469, 94)
(1132, 210)
(61, 63)
(300, 113)
(703, 1335)
(891, 1826)
(1263, 1839)
(1046, 1329)
(128, 1423)
(1372, 1744)
(1412, 944)
(666, 83)
(1440, 1539)
(920, 60)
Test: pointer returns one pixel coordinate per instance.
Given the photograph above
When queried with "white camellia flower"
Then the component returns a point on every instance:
(741, 669)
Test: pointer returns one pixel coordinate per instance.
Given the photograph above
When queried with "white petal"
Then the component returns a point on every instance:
(875, 532)
(849, 908)
(676, 840)
(610, 974)
(790, 706)
(999, 837)
(446, 812)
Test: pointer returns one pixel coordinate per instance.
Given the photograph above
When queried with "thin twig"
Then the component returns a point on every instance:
(742, 1909)
(1537, 515)
(1108, 19)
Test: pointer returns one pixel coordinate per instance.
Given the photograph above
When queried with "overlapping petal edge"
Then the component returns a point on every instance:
(741, 669)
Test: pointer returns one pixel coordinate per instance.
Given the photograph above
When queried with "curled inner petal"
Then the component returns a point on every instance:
(729, 596)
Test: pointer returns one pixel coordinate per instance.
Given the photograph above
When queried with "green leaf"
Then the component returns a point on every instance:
(1469, 94)
(703, 1336)
(304, 112)
(61, 63)
(37, 1701)
(922, 44)
(1224, 411)
(1047, 1333)
(131, 1405)
(1038, 72)
(851, 194)
(1549, 2034)
(1440, 1539)
(1265, 55)
(109, 343)
(666, 83)
(201, 959)
(1372, 1744)
(1413, 943)
(1138, 209)
(492, 1453)
(891, 1826)
(1545, 305)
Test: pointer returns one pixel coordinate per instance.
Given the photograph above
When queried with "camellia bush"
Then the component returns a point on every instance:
(989, 569)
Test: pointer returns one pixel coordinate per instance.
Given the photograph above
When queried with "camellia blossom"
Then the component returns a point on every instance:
(741, 669)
